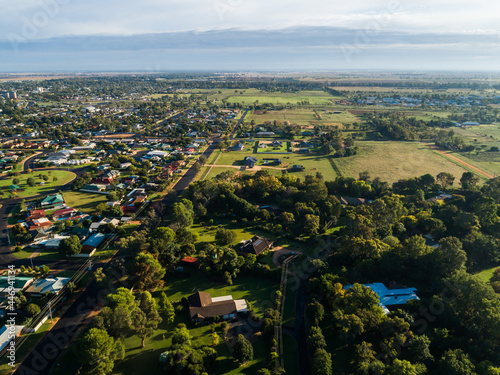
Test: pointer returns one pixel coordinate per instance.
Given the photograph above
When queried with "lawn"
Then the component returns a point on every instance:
(257, 291)
(44, 254)
(312, 163)
(63, 177)
(485, 275)
(82, 201)
(392, 161)
(283, 149)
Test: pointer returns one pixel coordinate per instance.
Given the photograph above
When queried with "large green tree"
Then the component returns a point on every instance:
(97, 352)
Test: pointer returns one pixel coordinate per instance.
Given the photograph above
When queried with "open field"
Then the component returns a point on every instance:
(312, 163)
(82, 201)
(63, 177)
(392, 161)
(305, 116)
(298, 116)
(305, 97)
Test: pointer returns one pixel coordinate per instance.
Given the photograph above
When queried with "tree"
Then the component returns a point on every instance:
(97, 352)
(70, 246)
(182, 215)
(419, 348)
(32, 310)
(456, 362)
(148, 272)
(166, 309)
(321, 363)
(445, 179)
(316, 340)
(311, 224)
(449, 256)
(145, 318)
(181, 336)
(116, 211)
(215, 339)
(243, 350)
(469, 181)
(224, 236)
(315, 312)
(15, 181)
(400, 367)
(31, 181)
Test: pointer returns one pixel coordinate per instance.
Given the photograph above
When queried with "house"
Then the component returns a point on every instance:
(202, 307)
(349, 201)
(256, 245)
(238, 147)
(18, 283)
(95, 226)
(92, 243)
(264, 134)
(191, 261)
(52, 201)
(34, 214)
(7, 334)
(41, 286)
(53, 243)
(15, 188)
(297, 168)
(250, 161)
(125, 165)
(94, 188)
(38, 235)
(63, 214)
(392, 297)
(277, 144)
(42, 222)
(263, 145)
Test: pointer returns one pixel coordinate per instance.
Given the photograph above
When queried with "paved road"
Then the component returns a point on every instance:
(188, 177)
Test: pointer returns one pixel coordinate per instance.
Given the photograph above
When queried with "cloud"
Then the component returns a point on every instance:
(291, 48)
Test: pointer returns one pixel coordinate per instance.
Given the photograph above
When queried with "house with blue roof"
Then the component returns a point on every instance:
(390, 297)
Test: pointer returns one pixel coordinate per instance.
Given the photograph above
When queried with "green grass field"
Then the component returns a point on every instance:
(391, 161)
(63, 177)
(251, 96)
(485, 275)
(312, 163)
(83, 201)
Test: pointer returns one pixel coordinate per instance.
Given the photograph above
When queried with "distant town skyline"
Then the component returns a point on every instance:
(155, 35)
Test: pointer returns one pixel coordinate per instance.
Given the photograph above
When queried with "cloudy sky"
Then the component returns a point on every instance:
(248, 34)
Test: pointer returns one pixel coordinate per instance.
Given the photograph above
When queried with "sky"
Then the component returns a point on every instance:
(54, 35)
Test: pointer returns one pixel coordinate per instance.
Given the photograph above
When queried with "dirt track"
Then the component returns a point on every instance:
(460, 161)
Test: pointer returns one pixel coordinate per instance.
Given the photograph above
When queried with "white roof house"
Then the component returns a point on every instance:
(42, 286)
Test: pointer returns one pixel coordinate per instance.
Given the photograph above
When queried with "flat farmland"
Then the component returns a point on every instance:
(297, 116)
(251, 96)
(488, 135)
(305, 116)
(392, 161)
